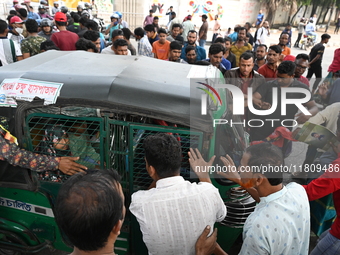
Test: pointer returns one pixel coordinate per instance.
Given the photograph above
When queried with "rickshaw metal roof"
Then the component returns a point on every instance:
(135, 84)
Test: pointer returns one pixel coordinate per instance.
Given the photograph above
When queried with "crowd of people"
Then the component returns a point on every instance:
(175, 215)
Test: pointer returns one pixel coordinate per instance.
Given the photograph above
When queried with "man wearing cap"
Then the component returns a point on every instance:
(64, 40)
(15, 2)
(15, 34)
(116, 35)
(113, 26)
(55, 8)
(187, 26)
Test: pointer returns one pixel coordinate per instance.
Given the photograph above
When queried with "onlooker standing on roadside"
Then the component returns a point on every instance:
(315, 57)
(269, 70)
(301, 30)
(226, 42)
(170, 11)
(217, 27)
(288, 30)
(240, 45)
(144, 46)
(337, 26)
(202, 34)
(283, 43)
(31, 45)
(187, 26)
(260, 54)
(301, 62)
(161, 47)
(148, 19)
(261, 35)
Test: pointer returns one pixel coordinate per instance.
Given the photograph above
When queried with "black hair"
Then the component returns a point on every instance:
(325, 36)
(228, 39)
(162, 31)
(284, 33)
(119, 42)
(204, 16)
(247, 55)
(92, 25)
(263, 45)
(91, 35)
(202, 63)
(48, 45)
(192, 31)
(241, 28)
(3, 26)
(219, 40)
(302, 56)
(176, 25)
(139, 31)
(149, 28)
(173, 13)
(287, 67)
(31, 26)
(264, 155)
(216, 48)
(22, 12)
(276, 48)
(9, 18)
(156, 17)
(163, 152)
(75, 16)
(189, 48)
(175, 45)
(60, 23)
(127, 33)
(83, 44)
(12, 12)
(83, 21)
(248, 24)
(88, 206)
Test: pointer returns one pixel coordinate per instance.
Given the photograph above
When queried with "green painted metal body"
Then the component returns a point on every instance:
(120, 147)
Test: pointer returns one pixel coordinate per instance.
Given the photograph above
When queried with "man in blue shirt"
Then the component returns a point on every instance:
(200, 51)
(260, 19)
(216, 52)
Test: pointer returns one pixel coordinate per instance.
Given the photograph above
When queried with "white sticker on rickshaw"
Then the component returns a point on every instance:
(17, 204)
(26, 90)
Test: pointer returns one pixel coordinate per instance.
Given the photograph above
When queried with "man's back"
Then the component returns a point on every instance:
(65, 40)
(318, 49)
(280, 224)
(173, 215)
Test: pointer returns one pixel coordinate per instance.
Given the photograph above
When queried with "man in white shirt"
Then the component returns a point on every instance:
(119, 47)
(261, 35)
(280, 223)
(310, 29)
(174, 213)
(187, 26)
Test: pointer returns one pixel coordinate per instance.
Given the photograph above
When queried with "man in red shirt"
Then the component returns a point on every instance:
(301, 62)
(269, 69)
(64, 40)
(328, 183)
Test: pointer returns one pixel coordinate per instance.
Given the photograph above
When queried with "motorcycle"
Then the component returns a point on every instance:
(307, 41)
